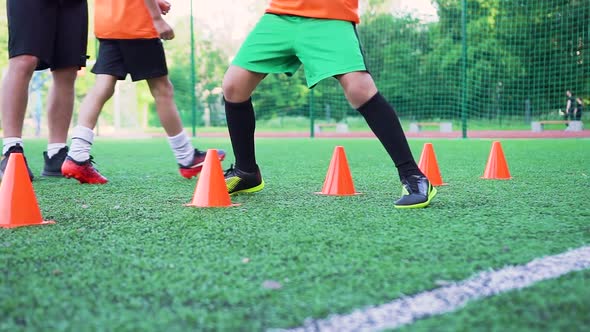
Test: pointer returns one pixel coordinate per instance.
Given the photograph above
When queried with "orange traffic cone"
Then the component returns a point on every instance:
(338, 179)
(18, 204)
(429, 166)
(211, 190)
(497, 168)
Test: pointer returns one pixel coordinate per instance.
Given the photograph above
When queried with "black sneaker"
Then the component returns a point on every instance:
(14, 149)
(52, 165)
(238, 181)
(417, 192)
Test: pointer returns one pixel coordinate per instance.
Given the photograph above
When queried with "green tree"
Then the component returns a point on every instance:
(522, 54)
(210, 64)
(279, 95)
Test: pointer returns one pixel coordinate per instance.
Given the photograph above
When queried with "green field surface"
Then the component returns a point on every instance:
(129, 255)
(552, 305)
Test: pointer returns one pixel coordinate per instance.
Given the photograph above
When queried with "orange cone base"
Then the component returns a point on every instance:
(211, 206)
(43, 222)
(328, 194)
(485, 178)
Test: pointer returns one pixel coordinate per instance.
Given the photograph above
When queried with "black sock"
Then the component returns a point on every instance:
(384, 123)
(241, 124)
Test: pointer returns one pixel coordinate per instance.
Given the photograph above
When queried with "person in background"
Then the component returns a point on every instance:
(42, 34)
(579, 109)
(570, 106)
(129, 33)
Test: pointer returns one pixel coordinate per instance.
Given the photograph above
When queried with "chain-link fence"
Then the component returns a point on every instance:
(477, 64)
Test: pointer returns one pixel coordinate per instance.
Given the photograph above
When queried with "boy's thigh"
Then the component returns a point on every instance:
(31, 29)
(143, 58)
(328, 48)
(269, 48)
(110, 60)
(71, 35)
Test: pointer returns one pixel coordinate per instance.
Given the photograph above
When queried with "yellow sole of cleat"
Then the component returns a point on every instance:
(419, 205)
(250, 190)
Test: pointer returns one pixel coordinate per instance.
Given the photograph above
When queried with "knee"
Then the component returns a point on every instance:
(163, 90)
(363, 89)
(358, 94)
(107, 91)
(65, 77)
(104, 91)
(234, 90)
(24, 63)
(358, 87)
(64, 80)
(230, 90)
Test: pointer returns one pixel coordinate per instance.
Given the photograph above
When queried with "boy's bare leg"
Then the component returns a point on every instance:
(15, 95)
(238, 85)
(361, 92)
(78, 164)
(83, 135)
(184, 152)
(163, 93)
(358, 87)
(60, 104)
(101, 92)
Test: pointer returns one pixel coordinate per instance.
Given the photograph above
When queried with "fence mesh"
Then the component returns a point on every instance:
(498, 64)
(520, 58)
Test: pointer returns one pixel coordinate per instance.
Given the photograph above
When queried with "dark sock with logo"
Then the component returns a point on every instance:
(384, 123)
(241, 123)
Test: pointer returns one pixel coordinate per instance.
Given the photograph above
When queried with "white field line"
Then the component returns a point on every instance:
(407, 310)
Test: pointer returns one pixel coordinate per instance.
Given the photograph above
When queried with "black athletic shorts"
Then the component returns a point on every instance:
(55, 31)
(141, 58)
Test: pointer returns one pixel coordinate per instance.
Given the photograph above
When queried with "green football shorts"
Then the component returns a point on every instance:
(281, 43)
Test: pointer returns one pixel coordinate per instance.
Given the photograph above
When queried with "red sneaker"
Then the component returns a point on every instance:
(197, 165)
(82, 171)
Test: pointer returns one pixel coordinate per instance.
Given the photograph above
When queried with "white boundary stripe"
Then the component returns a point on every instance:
(452, 297)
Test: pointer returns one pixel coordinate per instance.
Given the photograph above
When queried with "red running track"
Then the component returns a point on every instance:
(426, 134)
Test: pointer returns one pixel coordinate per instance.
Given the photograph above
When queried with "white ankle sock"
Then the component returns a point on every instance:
(53, 148)
(183, 148)
(82, 139)
(9, 142)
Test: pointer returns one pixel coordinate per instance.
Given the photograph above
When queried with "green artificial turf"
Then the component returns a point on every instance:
(130, 256)
(552, 305)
